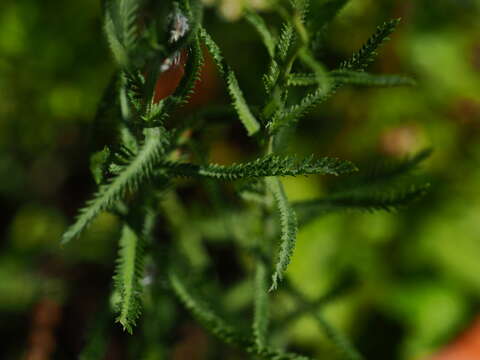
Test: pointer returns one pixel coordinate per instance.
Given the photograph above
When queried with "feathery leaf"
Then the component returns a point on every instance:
(271, 77)
(291, 115)
(240, 105)
(366, 55)
(259, 24)
(337, 338)
(269, 165)
(130, 267)
(323, 12)
(345, 77)
(213, 49)
(285, 41)
(121, 28)
(289, 227)
(219, 328)
(128, 179)
(363, 200)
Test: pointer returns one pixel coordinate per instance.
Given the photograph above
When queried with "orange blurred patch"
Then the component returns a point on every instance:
(466, 347)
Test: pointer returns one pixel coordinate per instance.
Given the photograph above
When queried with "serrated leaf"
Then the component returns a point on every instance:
(366, 55)
(269, 165)
(213, 49)
(368, 200)
(121, 28)
(130, 176)
(291, 115)
(271, 77)
(345, 77)
(216, 325)
(129, 271)
(285, 41)
(259, 24)
(241, 106)
(288, 227)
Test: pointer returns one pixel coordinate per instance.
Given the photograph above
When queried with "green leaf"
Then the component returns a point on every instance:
(345, 77)
(271, 77)
(362, 199)
(285, 41)
(269, 165)
(323, 12)
(241, 106)
(218, 327)
(121, 28)
(214, 50)
(129, 178)
(288, 226)
(336, 337)
(129, 271)
(259, 24)
(291, 115)
(366, 55)
(97, 164)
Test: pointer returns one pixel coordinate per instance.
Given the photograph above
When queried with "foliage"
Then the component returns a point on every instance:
(156, 152)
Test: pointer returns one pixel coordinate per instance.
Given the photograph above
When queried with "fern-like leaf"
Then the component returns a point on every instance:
(285, 41)
(291, 115)
(289, 227)
(323, 12)
(218, 327)
(129, 271)
(121, 28)
(364, 79)
(259, 24)
(241, 106)
(384, 173)
(269, 165)
(362, 200)
(271, 77)
(128, 178)
(214, 50)
(366, 55)
(346, 77)
(337, 338)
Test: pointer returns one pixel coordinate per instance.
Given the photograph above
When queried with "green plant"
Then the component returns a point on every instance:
(137, 175)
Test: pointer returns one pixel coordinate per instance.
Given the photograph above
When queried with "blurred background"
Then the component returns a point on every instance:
(418, 269)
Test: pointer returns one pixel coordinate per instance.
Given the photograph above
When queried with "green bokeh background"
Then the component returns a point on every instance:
(418, 269)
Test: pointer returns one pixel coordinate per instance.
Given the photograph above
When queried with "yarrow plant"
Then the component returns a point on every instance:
(140, 174)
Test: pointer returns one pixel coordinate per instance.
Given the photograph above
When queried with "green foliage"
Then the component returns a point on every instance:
(344, 77)
(367, 54)
(259, 24)
(269, 165)
(240, 105)
(121, 28)
(285, 41)
(386, 187)
(291, 115)
(213, 49)
(128, 274)
(128, 179)
(289, 228)
(137, 173)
